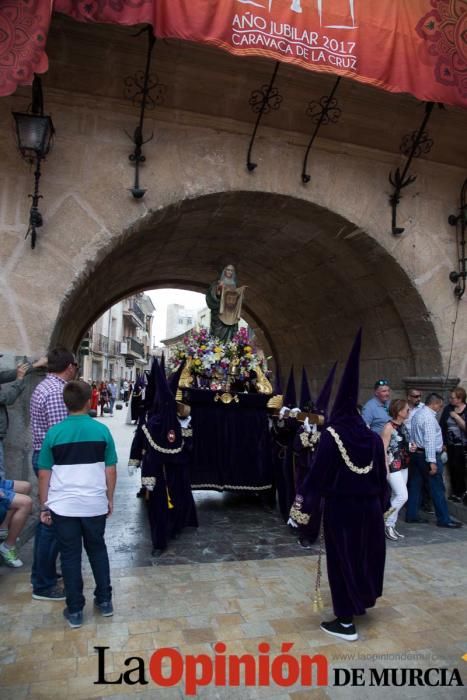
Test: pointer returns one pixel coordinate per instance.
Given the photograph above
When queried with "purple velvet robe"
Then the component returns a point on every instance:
(171, 506)
(352, 507)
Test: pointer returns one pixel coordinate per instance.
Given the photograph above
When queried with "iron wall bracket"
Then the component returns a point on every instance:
(322, 112)
(138, 88)
(413, 145)
(262, 101)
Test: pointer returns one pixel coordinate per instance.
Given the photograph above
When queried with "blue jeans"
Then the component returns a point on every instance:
(419, 471)
(112, 404)
(2, 460)
(45, 551)
(72, 533)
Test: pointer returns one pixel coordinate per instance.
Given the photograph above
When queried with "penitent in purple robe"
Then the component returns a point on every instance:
(348, 494)
(353, 506)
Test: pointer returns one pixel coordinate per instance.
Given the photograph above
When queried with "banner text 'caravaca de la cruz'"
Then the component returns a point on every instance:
(419, 47)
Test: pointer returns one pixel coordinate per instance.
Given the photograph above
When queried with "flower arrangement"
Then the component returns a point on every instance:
(214, 362)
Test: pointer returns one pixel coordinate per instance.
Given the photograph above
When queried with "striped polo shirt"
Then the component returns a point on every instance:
(77, 450)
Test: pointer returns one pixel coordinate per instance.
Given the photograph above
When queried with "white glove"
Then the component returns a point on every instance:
(294, 412)
(306, 425)
(292, 523)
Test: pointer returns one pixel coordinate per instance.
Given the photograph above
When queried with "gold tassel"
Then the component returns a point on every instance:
(171, 505)
(318, 599)
(169, 502)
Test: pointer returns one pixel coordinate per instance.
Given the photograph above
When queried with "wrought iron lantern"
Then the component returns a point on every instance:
(34, 134)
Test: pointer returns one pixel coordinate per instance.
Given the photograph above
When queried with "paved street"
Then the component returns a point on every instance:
(242, 579)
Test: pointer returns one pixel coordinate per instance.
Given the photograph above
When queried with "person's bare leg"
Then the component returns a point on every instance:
(21, 508)
(4, 525)
(22, 487)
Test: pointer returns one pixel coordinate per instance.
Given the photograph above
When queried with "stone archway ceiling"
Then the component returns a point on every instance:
(416, 47)
(312, 278)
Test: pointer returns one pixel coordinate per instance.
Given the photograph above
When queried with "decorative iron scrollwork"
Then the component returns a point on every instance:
(322, 112)
(138, 89)
(422, 144)
(413, 145)
(262, 101)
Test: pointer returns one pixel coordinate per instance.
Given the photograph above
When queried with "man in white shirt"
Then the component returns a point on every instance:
(426, 434)
(414, 397)
(415, 403)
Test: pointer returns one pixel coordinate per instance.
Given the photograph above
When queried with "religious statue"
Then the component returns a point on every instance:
(225, 300)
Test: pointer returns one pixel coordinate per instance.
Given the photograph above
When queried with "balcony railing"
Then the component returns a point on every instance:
(114, 347)
(135, 309)
(134, 347)
(100, 343)
(104, 345)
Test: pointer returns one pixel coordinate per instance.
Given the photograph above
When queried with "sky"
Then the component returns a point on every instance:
(162, 297)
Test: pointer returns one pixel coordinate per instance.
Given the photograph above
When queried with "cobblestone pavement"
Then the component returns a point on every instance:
(240, 578)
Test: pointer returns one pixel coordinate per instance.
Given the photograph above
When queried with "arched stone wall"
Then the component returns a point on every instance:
(313, 279)
(202, 205)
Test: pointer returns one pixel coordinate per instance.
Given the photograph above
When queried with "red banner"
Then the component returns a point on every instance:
(415, 46)
(23, 34)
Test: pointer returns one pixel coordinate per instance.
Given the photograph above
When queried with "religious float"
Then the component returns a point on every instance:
(225, 380)
(227, 387)
(225, 383)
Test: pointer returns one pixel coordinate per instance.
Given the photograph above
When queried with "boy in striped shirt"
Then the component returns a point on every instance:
(77, 477)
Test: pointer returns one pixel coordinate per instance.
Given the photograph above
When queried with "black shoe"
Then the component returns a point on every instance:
(158, 552)
(141, 492)
(452, 525)
(106, 608)
(418, 520)
(75, 620)
(55, 593)
(337, 629)
(428, 510)
(304, 542)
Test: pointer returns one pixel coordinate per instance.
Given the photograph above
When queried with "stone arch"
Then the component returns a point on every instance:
(314, 277)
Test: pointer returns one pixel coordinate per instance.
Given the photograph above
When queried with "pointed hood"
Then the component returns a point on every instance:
(175, 378)
(150, 394)
(322, 402)
(277, 383)
(306, 402)
(163, 424)
(345, 404)
(290, 398)
(140, 381)
(349, 461)
(162, 364)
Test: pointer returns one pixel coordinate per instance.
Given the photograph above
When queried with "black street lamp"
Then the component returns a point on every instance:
(34, 133)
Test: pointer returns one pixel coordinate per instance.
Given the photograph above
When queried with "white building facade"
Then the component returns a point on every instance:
(118, 345)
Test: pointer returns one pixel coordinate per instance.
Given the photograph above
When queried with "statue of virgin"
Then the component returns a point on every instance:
(225, 301)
